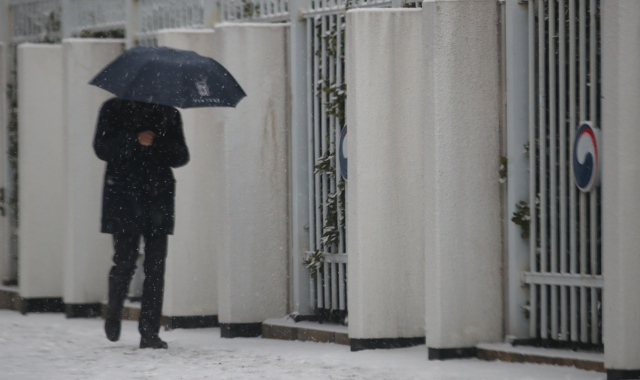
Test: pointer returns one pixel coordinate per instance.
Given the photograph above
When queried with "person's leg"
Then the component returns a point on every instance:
(124, 260)
(153, 291)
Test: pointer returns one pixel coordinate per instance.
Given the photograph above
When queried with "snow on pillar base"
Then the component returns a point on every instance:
(385, 194)
(240, 330)
(451, 353)
(620, 184)
(88, 252)
(84, 310)
(42, 166)
(462, 194)
(40, 305)
(252, 165)
(191, 278)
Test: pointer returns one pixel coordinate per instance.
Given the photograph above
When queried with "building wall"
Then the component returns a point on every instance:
(620, 184)
(88, 252)
(461, 147)
(191, 275)
(253, 229)
(42, 166)
(386, 189)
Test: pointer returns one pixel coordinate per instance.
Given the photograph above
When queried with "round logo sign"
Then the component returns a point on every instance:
(342, 153)
(586, 158)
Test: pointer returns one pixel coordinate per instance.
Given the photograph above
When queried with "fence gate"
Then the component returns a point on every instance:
(565, 277)
(326, 95)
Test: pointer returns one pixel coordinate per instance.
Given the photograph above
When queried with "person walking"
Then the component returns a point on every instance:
(140, 142)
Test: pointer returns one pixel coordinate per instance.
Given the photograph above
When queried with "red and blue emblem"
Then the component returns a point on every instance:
(342, 152)
(586, 157)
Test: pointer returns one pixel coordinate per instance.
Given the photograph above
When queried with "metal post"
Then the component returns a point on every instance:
(133, 23)
(583, 197)
(300, 145)
(553, 188)
(533, 297)
(542, 140)
(593, 91)
(562, 125)
(517, 83)
(572, 189)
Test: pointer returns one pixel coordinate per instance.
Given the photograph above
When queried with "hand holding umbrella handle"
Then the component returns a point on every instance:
(146, 138)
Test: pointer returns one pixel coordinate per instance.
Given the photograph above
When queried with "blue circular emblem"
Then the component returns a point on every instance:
(586, 158)
(342, 153)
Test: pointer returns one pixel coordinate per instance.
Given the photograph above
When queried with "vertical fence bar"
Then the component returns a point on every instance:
(532, 170)
(572, 189)
(593, 86)
(310, 145)
(562, 112)
(332, 149)
(325, 150)
(339, 81)
(342, 246)
(583, 197)
(342, 301)
(317, 143)
(542, 83)
(553, 190)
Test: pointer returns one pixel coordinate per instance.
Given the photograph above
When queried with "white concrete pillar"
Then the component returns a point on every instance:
(386, 187)
(191, 277)
(42, 164)
(252, 267)
(462, 150)
(88, 252)
(620, 184)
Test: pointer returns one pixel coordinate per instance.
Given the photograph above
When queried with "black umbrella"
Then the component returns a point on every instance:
(169, 77)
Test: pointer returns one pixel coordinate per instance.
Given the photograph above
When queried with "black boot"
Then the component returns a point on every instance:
(112, 328)
(117, 293)
(153, 342)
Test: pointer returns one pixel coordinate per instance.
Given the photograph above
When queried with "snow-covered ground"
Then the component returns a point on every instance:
(48, 346)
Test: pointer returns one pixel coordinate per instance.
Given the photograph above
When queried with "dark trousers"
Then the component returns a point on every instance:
(126, 247)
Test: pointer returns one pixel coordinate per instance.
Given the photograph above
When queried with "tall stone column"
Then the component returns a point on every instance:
(252, 217)
(620, 187)
(42, 164)
(88, 252)
(191, 297)
(386, 188)
(462, 195)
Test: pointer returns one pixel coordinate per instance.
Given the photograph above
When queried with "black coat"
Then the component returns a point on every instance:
(139, 187)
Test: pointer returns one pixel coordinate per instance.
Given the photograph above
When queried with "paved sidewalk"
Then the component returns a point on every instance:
(48, 346)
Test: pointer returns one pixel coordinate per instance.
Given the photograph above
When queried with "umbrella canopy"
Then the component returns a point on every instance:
(171, 77)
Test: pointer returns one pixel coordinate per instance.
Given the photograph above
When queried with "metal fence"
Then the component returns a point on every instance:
(248, 10)
(36, 21)
(326, 95)
(154, 15)
(565, 275)
(87, 16)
